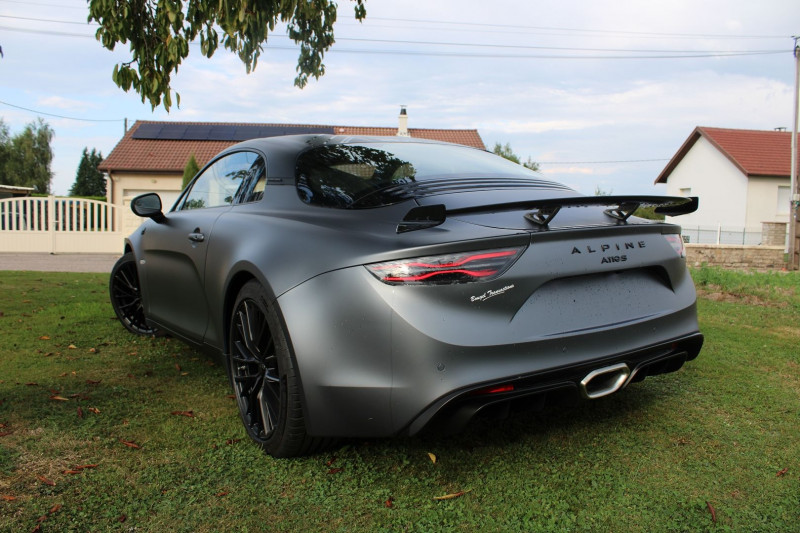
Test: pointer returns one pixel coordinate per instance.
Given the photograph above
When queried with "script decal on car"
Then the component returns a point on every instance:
(490, 294)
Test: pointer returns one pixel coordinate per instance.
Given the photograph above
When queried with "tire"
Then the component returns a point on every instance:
(126, 296)
(265, 382)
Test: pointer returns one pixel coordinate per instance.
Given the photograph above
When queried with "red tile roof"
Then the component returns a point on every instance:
(158, 155)
(754, 152)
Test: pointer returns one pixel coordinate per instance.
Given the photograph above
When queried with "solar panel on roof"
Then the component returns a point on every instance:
(197, 133)
(243, 133)
(173, 131)
(147, 131)
(221, 132)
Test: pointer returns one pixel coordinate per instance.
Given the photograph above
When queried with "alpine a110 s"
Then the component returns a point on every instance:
(373, 286)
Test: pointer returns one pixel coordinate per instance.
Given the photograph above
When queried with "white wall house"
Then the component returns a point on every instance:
(741, 177)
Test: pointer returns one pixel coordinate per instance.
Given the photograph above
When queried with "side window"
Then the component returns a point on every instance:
(218, 184)
(253, 188)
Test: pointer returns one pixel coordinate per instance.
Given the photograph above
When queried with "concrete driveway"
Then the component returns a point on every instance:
(58, 262)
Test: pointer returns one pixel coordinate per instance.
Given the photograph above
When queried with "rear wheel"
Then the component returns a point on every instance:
(126, 296)
(264, 380)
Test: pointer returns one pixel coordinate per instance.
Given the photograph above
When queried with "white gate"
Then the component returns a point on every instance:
(59, 225)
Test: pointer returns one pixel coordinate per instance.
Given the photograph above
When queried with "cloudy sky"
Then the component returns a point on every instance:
(601, 93)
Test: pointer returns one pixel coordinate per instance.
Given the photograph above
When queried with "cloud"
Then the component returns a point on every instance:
(551, 109)
(66, 104)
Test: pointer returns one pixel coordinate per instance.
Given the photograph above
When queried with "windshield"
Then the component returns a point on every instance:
(377, 174)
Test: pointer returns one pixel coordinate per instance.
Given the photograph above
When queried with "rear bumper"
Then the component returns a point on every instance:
(453, 412)
(379, 363)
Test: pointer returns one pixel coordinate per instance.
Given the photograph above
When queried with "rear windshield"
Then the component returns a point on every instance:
(377, 174)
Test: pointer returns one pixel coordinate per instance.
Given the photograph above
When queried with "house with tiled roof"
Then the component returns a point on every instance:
(152, 155)
(742, 177)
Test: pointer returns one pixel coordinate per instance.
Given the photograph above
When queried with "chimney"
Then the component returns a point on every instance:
(402, 123)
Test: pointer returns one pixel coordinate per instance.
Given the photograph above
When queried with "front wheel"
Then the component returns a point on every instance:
(126, 296)
(264, 379)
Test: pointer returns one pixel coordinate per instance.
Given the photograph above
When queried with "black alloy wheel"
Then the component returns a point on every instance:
(263, 377)
(254, 366)
(126, 296)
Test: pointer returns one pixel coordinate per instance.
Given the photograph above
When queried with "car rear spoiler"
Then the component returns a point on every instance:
(542, 212)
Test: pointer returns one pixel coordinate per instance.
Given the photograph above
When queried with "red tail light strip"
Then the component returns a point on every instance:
(423, 277)
(446, 268)
(470, 259)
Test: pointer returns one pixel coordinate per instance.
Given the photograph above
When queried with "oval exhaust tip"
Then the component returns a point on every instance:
(604, 381)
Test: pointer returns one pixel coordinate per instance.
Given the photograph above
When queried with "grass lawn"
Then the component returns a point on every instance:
(103, 431)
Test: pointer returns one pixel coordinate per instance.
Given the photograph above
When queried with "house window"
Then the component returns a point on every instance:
(783, 200)
(687, 191)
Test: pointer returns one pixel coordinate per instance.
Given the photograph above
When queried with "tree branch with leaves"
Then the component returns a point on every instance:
(159, 33)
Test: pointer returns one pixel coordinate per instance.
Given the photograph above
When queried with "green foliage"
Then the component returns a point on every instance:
(88, 180)
(648, 213)
(656, 456)
(190, 170)
(600, 192)
(5, 142)
(194, 203)
(777, 288)
(89, 197)
(25, 157)
(159, 34)
(507, 152)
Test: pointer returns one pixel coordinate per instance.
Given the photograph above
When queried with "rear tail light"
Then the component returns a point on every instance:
(497, 389)
(464, 267)
(676, 241)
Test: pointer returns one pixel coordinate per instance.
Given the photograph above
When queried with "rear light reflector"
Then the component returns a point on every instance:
(484, 265)
(497, 389)
(676, 241)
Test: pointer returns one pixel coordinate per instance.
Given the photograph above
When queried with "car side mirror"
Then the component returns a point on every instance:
(148, 205)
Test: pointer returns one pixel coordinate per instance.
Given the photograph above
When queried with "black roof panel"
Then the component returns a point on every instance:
(221, 132)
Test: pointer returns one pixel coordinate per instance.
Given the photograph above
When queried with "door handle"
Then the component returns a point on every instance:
(197, 237)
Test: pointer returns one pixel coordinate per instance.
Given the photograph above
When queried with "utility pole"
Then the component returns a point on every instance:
(794, 221)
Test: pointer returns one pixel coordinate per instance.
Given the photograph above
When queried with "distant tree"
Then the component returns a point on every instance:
(506, 152)
(159, 32)
(190, 170)
(5, 149)
(600, 192)
(88, 180)
(25, 157)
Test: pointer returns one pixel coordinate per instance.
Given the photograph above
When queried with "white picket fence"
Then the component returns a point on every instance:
(721, 235)
(59, 225)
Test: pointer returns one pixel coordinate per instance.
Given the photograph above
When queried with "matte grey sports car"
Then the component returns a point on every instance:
(370, 286)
